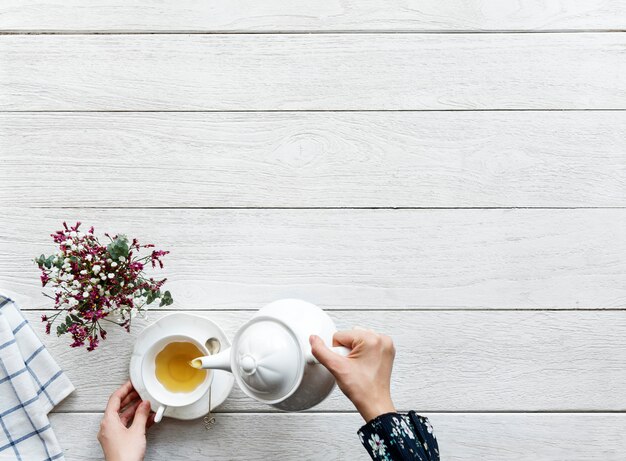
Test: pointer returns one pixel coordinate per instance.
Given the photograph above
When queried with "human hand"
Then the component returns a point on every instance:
(123, 428)
(365, 374)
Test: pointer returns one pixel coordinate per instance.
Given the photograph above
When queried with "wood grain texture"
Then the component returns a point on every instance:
(461, 437)
(318, 72)
(297, 159)
(352, 259)
(445, 361)
(300, 15)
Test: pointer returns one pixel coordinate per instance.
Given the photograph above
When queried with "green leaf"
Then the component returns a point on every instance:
(61, 329)
(166, 299)
(118, 247)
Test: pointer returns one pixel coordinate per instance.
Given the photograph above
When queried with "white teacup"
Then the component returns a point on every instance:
(164, 397)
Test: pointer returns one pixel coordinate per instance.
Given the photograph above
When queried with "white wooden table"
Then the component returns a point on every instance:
(451, 173)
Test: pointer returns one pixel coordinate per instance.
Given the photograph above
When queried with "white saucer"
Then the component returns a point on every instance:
(198, 328)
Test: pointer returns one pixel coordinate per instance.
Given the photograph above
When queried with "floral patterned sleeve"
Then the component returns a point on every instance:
(394, 436)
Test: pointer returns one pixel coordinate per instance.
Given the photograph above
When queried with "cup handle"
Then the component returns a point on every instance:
(341, 350)
(158, 416)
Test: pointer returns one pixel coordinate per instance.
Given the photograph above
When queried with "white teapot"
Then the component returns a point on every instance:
(271, 356)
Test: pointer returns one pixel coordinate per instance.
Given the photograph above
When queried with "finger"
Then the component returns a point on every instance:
(350, 338)
(129, 412)
(115, 401)
(130, 398)
(326, 357)
(150, 422)
(141, 417)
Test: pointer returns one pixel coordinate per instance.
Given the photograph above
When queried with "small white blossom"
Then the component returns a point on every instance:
(96, 269)
(89, 257)
(109, 260)
(85, 294)
(113, 264)
(83, 272)
(122, 259)
(111, 275)
(93, 280)
(74, 292)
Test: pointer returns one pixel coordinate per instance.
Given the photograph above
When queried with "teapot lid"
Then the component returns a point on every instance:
(268, 359)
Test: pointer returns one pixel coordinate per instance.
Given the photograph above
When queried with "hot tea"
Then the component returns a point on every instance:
(172, 368)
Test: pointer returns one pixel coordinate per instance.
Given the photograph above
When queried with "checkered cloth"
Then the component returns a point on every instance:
(31, 384)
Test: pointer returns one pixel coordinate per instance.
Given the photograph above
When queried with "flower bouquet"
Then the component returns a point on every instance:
(95, 283)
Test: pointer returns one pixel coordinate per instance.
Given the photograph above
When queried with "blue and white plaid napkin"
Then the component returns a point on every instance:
(31, 384)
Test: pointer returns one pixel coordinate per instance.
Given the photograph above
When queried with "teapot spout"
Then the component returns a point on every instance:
(219, 361)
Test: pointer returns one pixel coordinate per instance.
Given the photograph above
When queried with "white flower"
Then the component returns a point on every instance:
(429, 427)
(111, 275)
(113, 264)
(93, 280)
(74, 292)
(109, 260)
(405, 428)
(89, 257)
(108, 293)
(73, 246)
(96, 269)
(131, 285)
(101, 291)
(85, 294)
(83, 272)
(121, 259)
(378, 446)
(122, 283)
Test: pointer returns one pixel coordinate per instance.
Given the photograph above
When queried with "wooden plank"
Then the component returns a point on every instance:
(446, 361)
(313, 72)
(354, 259)
(461, 437)
(299, 15)
(336, 159)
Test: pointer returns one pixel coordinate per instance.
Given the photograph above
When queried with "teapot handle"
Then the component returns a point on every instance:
(341, 350)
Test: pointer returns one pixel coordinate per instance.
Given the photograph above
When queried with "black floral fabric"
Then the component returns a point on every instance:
(395, 436)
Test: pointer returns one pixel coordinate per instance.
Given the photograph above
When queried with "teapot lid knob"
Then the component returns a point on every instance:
(268, 359)
(248, 364)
